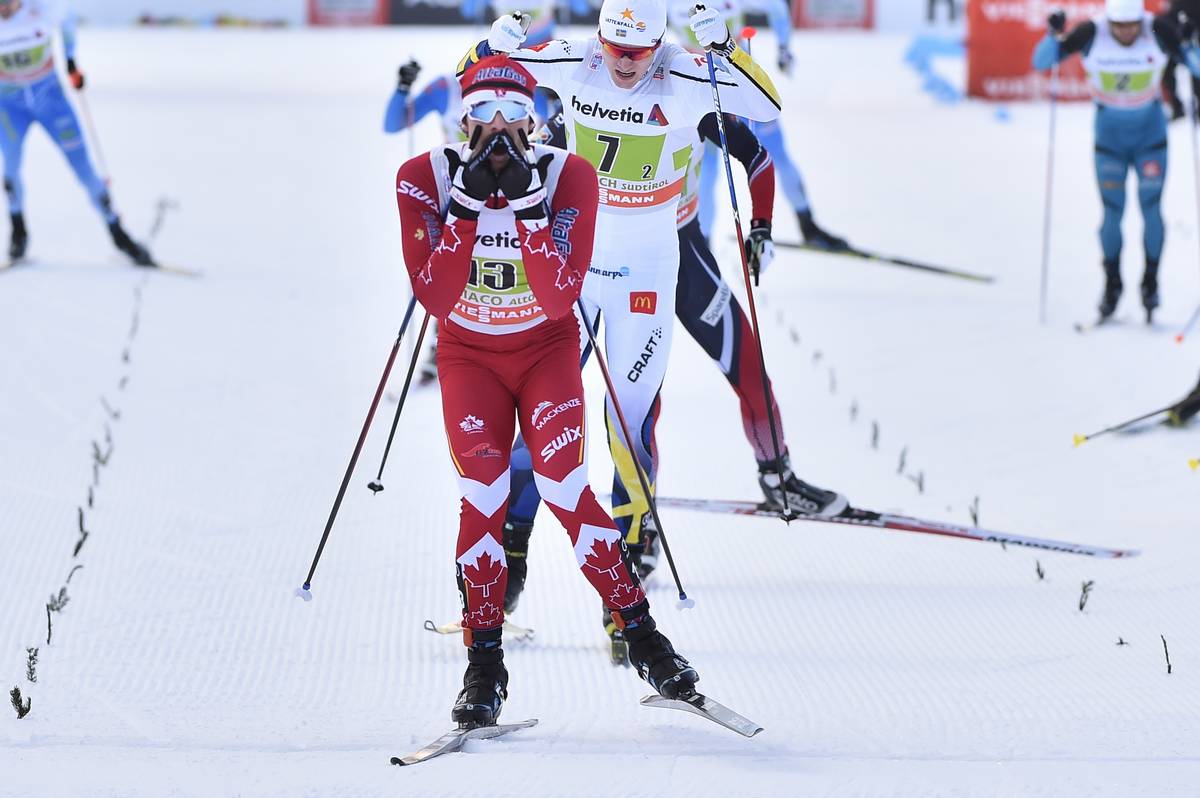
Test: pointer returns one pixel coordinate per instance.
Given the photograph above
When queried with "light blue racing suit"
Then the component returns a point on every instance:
(30, 92)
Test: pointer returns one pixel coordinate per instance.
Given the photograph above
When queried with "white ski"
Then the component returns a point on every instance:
(705, 707)
(513, 631)
(453, 740)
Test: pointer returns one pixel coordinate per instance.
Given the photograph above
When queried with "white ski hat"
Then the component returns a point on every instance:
(635, 23)
(1124, 10)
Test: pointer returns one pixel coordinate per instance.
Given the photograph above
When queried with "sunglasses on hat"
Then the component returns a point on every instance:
(511, 110)
(632, 53)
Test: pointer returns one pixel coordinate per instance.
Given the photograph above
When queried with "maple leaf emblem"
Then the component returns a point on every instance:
(446, 245)
(605, 557)
(486, 616)
(565, 278)
(426, 273)
(625, 596)
(419, 234)
(484, 573)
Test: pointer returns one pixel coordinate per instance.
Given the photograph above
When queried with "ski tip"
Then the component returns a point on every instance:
(1194, 463)
(1079, 440)
(396, 761)
(304, 592)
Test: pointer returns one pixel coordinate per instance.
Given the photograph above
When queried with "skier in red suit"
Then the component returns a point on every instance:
(497, 241)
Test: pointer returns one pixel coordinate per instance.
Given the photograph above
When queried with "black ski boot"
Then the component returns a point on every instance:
(1186, 409)
(516, 552)
(1112, 288)
(1150, 289)
(801, 497)
(485, 684)
(19, 241)
(814, 236)
(645, 554)
(136, 252)
(651, 653)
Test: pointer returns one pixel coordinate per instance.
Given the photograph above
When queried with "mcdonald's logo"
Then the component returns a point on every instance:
(643, 302)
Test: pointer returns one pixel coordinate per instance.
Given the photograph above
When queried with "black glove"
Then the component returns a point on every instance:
(523, 183)
(75, 75)
(1187, 28)
(408, 75)
(760, 249)
(785, 60)
(471, 182)
(1057, 22)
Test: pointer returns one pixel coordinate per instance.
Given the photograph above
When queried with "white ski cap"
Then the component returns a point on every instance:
(636, 23)
(1124, 10)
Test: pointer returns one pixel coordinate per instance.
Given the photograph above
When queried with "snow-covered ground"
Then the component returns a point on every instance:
(880, 663)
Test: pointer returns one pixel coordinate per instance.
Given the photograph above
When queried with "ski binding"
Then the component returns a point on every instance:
(511, 630)
(453, 740)
(705, 707)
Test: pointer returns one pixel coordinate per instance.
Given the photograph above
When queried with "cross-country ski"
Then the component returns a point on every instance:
(859, 517)
(454, 740)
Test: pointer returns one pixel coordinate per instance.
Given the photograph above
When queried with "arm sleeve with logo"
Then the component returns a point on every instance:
(745, 88)
(745, 146)
(437, 251)
(549, 63)
(557, 253)
(1166, 31)
(1051, 51)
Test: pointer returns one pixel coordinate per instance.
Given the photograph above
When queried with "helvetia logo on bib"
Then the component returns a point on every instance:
(597, 110)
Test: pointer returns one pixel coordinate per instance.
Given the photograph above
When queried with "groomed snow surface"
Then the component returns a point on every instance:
(880, 663)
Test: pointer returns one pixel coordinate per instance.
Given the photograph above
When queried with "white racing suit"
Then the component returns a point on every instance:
(640, 141)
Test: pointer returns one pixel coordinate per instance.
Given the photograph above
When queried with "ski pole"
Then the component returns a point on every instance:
(1049, 197)
(684, 602)
(304, 592)
(91, 134)
(1187, 328)
(786, 515)
(1082, 439)
(1196, 177)
(376, 484)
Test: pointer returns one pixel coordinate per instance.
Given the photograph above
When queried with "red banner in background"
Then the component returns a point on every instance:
(833, 13)
(347, 12)
(1001, 36)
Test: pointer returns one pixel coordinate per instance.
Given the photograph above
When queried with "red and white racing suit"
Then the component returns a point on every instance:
(508, 355)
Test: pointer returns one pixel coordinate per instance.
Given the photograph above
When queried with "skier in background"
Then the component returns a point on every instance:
(498, 236)
(1125, 51)
(30, 92)
(634, 105)
(709, 311)
(769, 133)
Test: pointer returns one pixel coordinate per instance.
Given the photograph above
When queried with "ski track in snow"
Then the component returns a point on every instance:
(880, 663)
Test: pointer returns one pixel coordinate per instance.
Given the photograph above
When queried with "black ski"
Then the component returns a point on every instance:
(705, 707)
(453, 741)
(854, 516)
(889, 259)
